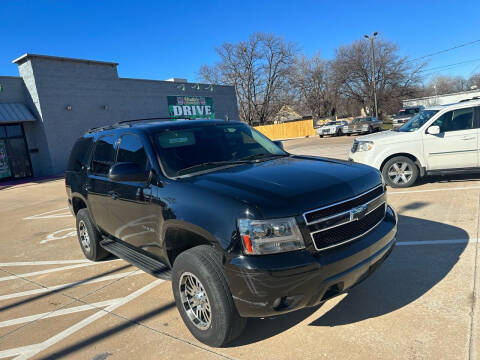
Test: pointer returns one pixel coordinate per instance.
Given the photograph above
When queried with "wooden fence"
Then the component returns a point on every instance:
(288, 130)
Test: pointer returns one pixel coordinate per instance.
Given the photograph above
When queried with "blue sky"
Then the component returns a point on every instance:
(161, 39)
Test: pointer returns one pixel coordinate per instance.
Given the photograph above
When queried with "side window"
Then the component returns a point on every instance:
(131, 150)
(103, 155)
(79, 154)
(461, 119)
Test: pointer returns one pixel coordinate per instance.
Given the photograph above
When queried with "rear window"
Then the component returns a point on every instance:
(79, 155)
(103, 155)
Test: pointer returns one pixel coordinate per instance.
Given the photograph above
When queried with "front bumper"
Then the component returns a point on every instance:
(275, 284)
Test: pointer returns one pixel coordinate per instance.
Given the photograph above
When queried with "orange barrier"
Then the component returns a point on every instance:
(288, 130)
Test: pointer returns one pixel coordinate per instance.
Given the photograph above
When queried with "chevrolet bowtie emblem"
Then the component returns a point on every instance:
(358, 212)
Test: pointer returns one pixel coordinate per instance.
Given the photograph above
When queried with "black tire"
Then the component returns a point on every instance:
(394, 168)
(370, 130)
(321, 136)
(93, 251)
(205, 264)
(349, 134)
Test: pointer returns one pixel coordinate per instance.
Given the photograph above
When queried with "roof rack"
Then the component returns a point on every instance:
(147, 119)
(126, 123)
(473, 98)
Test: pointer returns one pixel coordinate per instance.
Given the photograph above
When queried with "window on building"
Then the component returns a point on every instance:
(103, 156)
(131, 150)
(14, 130)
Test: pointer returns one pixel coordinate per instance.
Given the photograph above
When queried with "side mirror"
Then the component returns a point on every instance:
(127, 171)
(433, 130)
(279, 144)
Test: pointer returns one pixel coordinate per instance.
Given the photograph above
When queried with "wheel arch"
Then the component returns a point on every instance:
(179, 239)
(78, 203)
(412, 157)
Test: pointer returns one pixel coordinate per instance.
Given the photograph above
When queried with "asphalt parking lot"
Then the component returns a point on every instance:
(422, 303)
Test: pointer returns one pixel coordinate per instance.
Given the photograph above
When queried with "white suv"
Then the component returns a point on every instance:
(438, 140)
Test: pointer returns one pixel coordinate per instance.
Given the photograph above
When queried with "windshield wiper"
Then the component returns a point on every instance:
(208, 164)
(261, 156)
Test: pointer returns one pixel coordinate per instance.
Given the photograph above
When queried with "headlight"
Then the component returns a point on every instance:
(261, 237)
(365, 145)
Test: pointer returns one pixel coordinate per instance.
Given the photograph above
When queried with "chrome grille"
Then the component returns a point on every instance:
(342, 222)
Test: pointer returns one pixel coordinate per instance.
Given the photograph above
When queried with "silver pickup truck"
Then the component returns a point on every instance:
(363, 125)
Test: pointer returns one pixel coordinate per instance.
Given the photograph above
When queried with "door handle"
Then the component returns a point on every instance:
(114, 195)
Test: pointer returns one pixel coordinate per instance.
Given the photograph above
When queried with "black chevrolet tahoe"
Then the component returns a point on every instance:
(241, 227)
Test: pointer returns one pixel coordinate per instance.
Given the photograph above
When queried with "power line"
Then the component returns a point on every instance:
(444, 51)
(450, 65)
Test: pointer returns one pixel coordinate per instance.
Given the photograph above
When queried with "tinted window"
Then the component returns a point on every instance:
(103, 155)
(199, 148)
(14, 130)
(3, 133)
(461, 119)
(131, 150)
(79, 154)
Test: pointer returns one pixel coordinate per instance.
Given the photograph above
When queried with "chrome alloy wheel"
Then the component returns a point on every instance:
(195, 301)
(400, 173)
(84, 237)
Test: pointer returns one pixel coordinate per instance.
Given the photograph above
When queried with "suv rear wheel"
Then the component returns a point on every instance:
(203, 297)
(89, 237)
(400, 172)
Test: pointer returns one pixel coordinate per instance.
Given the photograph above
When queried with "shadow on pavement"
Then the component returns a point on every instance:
(67, 352)
(453, 178)
(405, 276)
(63, 288)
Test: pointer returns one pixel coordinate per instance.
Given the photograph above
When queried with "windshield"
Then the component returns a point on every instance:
(359, 120)
(198, 148)
(417, 121)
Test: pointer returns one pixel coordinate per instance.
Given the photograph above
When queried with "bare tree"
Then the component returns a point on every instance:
(312, 78)
(396, 77)
(445, 84)
(258, 69)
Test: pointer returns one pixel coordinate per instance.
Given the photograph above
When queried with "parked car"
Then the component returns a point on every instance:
(362, 125)
(333, 128)
(438, 140)
(242, 228)
(405, 114)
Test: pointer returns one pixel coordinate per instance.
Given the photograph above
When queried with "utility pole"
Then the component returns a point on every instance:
(371, 38)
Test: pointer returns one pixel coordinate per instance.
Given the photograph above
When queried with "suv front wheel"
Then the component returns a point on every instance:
(203, 297)
(400, 172)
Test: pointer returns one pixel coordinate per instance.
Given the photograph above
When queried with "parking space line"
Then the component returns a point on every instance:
(52, 214)
(41, 272)
(68, 285)
(71, 310)
(48, 262)
(437, 242)
(26, 352)
(432, 190)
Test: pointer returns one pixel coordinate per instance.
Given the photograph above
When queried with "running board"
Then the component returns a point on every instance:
(136, 258)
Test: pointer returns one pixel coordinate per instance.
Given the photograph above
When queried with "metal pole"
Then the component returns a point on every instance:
(373, 76)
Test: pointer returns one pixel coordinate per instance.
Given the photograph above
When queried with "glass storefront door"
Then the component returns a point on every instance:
(14, 157)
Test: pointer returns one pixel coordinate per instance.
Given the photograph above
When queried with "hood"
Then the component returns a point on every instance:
(387, 136)
(290, 186)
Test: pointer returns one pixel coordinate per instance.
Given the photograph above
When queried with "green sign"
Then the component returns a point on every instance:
(191, 107)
